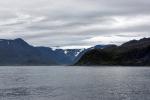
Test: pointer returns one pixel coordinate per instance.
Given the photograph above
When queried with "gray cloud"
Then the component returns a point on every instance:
(74, 22)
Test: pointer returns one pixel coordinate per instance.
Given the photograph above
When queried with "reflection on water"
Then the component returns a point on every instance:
(74, 83)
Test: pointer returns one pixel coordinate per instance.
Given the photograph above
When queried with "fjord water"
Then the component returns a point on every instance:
(74, 83)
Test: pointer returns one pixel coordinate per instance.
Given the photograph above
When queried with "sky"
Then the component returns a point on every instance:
(74, 23)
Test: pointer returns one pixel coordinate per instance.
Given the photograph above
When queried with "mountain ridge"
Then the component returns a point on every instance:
(19, 52)
(132, 53)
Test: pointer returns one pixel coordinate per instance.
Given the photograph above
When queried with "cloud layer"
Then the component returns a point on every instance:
(74, 23)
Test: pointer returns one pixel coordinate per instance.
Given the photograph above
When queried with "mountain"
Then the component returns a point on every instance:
(83, 51)
(58, 57)
(132, 53)
(99, 46)
(67, 56)
(18, 52)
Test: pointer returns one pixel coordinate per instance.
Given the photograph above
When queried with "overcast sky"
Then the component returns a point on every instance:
(74, 23)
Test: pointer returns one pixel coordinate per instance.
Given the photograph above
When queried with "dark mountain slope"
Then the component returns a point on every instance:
(18, 52)
(133, 53)
(89, 49)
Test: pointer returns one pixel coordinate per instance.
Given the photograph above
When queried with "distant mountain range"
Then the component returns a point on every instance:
(65, 56)
(132, 53)
(18, 52)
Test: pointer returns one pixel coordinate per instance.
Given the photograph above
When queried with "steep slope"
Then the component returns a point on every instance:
(134, 53)
(66, 56)
(89, 49)
(18, 52)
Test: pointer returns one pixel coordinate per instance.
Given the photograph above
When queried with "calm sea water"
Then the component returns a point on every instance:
(74, 83)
